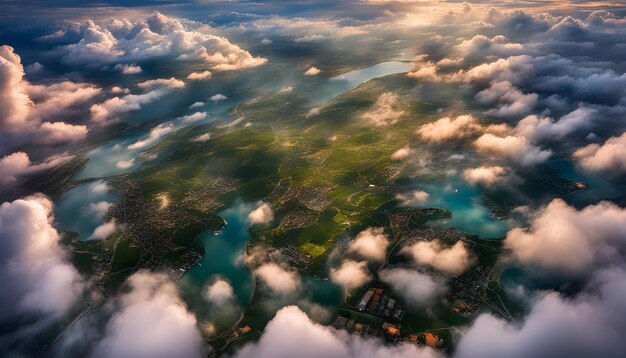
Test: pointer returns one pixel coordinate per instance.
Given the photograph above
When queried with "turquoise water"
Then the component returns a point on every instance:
(75, 209)
(224, 258)
(468, 214)
(598, 187)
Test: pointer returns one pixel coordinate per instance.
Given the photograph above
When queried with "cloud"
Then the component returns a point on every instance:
(484, 175)
(351, 274)
(384, 112)
(131, 69)
(201, 138)
(99, 209)
(194, 117)
(151, 321)
(515, 148)
(609, 157)
(18, 164)
(277, 279)
(157, 37)
(402, 153)
(371, 244)
(125, 164)
(218, 97)
(292, 334)
(452, 260)
(417, 289)
(447, 128)
(567, 241)
(27, 110)
(414, 198)
(219, 292)
(112, 108)
(263, 214)
(200, 76)
(482, 46)
(156, 133)
(588, 325)
(511, 101)
(105, 230)
(34, 268)
(197, 104)
(312, 71)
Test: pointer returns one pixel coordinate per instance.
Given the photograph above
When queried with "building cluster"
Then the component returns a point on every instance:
(380, 303)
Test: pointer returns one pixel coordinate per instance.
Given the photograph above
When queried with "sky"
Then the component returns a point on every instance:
(549, 76)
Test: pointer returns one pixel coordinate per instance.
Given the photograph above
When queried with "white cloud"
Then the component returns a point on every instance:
(27, 110)
(17, 164)
(351, 274)
(155, 134)
(105, 230)
(402, 153)
(452, 260)
(511, 101)
(126, 69)
(567, 241)
(151, 321)
(194, 117)
(371, 244)
(34, 269)
(125, 164)
(447, 128)
(484, 175)
(418, 290)
(197, 104)
(385, 111)
(263, 214)
(200, 76)
(218, 97)
(112, 108)
(414, 198)
(201, 138)
(515, 148)
(590, 324)
(157, 37)
(609, 157)
(219, 292)
(99, 209)
(277, 279)
(312, 71)
(292, 334)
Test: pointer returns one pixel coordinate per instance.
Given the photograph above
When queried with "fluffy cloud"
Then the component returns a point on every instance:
(128, 69)
(199, 76)
(99, 209)
(588, 325)
(418, 290)
(384, 112)
(33, 267)
(219, 292)
(447, 128)
(351, 274)
(609, 157)
(567, 241)
(151, 321)
(263, 214)
(414, 198)
(157, 37)
(371, 244)
(218, 97)
(312, 71)
(194, 117)
(511, 101)
(24, 107)
(292, 334)
(155, 134)
(518, 149)
(105, 230)
(451, 260)
(112, 108)
(402, 153)
(201, 138)
(17, 164)
(484, 175)
(277, 279)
